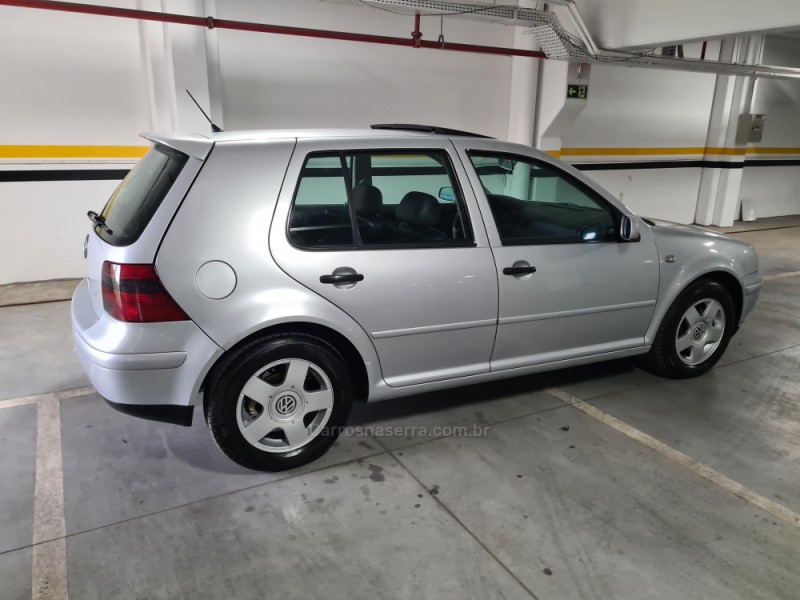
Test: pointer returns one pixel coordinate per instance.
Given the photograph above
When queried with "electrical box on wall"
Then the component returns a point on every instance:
(750, 129)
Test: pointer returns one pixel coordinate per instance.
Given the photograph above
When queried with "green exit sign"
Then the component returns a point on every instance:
(577, 91)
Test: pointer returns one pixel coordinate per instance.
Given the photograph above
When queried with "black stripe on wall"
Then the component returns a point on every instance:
(685, 164)
(773, 162)
(119, 174)
(64, 175)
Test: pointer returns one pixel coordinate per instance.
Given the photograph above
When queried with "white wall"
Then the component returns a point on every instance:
(67, 80)
(43, 226)
(282, 81)
(776, 190)
(83, 80)
(668, 194)
(646, 108)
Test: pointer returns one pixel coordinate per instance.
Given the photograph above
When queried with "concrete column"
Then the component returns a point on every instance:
(156, 53)
(718, 196)
(176, 58)
(524, 82)
(188, 47)
(555, 112)
(214, 70)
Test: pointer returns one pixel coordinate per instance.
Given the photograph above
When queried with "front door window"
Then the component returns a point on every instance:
(532, 203)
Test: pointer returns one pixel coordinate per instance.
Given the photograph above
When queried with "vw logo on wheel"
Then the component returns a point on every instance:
(285, 405)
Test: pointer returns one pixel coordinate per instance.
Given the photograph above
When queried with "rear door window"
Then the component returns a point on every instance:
(321, 214)
(137, 198)
(389, 198)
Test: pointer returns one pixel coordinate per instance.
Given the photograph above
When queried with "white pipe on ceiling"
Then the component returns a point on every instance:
(559, 44)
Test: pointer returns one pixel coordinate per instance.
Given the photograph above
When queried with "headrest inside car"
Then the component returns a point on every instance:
(418, 208)
(367, 199)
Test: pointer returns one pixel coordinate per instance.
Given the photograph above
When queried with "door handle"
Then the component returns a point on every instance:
(519, 270)
(340, 278)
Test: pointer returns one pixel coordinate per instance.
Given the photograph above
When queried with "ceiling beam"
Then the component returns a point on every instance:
(642, 23)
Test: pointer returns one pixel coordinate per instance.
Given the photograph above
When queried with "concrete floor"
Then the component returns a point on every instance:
(650, 489)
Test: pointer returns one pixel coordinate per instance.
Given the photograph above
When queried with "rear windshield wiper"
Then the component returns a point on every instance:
(99, 221)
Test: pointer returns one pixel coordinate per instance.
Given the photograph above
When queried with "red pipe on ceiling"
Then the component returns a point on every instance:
(416, 35)
(212, 23)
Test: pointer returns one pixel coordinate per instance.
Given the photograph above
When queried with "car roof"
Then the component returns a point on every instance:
(198, 145)
(271, 134)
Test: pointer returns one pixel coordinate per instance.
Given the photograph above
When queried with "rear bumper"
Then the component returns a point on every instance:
(149, 370)
(166, 413)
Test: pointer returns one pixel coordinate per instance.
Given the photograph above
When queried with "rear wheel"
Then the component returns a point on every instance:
(279, 402)
(694, 333)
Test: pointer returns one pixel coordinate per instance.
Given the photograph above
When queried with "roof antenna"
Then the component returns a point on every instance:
(214, 127)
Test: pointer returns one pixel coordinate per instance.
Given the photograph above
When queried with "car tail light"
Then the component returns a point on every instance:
(133, 293)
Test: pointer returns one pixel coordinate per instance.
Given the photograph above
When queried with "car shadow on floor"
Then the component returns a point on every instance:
(372, 412)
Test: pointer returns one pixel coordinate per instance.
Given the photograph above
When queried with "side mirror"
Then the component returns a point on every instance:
(593, 232)
(629, 229)
(507, 165)
(446, 194)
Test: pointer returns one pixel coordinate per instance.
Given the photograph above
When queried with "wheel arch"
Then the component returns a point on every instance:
(731, 284)
(728, 279)
(355, 362)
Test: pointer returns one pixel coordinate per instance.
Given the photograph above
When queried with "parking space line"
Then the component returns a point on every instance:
(745, 493)
(781, 275)
(17, 402)
(71, 393)
(49, 571)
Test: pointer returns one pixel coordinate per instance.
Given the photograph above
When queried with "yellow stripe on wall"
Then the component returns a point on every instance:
(628, 151)
(727, 151)
(682, 151)
(72, 152)
(766, 150)
(136, 152)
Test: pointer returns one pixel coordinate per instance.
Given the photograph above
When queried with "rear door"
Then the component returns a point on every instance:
(569, 286)
(384, 231)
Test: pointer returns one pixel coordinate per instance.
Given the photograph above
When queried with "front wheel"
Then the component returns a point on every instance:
(694, 333)
(279, 402)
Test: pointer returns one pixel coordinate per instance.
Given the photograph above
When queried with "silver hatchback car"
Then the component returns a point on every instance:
(283, 275)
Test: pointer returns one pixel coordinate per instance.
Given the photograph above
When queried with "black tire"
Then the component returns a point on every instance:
(663, 358)
(236, 369)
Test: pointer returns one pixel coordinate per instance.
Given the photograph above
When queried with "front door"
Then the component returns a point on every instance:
(569, 286)
(385, 233)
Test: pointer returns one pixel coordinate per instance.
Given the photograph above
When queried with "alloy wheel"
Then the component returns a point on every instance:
(700, 331)
(285, 405)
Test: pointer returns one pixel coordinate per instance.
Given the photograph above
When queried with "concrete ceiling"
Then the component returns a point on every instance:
(792, 33)
(642, 23)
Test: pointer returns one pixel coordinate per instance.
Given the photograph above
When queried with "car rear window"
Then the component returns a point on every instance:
(137, 198)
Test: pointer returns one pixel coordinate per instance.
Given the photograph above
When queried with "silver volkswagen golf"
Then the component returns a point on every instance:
(280, 276)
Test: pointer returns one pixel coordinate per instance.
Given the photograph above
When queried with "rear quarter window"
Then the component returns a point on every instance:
(137, 198)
